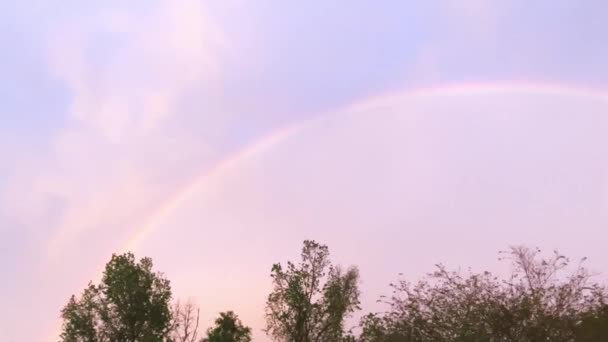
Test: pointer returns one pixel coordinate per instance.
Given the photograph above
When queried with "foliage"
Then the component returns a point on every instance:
(544, 299)
(594, 325)
(536, 303)
(310, 301)
(228, 328)
(131, 304)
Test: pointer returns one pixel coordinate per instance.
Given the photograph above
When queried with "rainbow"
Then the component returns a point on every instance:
(183, 194)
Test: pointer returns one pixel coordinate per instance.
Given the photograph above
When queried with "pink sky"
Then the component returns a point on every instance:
(395, 186)
(214, 136)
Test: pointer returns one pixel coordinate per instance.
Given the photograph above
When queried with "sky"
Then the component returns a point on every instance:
(214, 136)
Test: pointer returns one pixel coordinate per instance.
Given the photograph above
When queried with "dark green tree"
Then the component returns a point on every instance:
(80, 318)
(594, 326)
(377, 328)
(131, 304)
(228, 328)
(310, 301)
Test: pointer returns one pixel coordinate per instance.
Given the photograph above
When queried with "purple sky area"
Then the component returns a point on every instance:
(215, 136)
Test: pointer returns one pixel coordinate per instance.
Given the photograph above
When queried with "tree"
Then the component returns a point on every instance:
(185, 323)
(594, 326)
(228, 328)
(131, 304)
(310, 301)
(376, 328)
(536, 303)
(80, 318)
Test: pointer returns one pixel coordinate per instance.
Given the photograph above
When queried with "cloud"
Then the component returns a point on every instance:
(124, 143)
(127, 69)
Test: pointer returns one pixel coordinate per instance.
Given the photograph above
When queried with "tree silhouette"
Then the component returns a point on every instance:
(310, 301)
(185, 323)
(228, 328)
(536, 303)
(131, 304)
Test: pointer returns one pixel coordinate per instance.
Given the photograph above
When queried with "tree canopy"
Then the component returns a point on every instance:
(540, 301)
(131, 304)
(228, 328)
(543, 299)
(311, 300)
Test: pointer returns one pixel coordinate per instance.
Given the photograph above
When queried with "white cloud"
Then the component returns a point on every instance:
(126, 70)
(153, 56)
(125, 142)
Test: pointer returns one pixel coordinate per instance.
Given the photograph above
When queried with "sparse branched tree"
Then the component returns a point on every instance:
(538, 302)
(185, 322)
(310, 301)
(228, 328)
(131, 304)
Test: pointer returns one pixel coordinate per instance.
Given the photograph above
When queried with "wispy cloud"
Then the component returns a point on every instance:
(122, 101)
(128, 85)
(121, 146)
